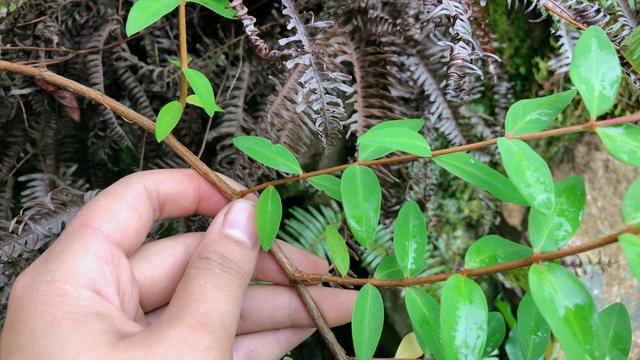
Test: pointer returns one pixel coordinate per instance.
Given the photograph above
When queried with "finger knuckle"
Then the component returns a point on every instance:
(220, 264)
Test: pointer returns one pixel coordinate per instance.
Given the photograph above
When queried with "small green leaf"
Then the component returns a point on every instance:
(595, 71)
(410, 239)
(512, 347)
(529, 173)
(549, 232)
(615, 329)
(195, 101)
(505, 309)
(220, 7)
(272, 155)
(361, 198)
(367, 322)
(146, 12)
(168, 118)
(463, 318)
(338, 251)
(424, 313)
(409, 348)
(203, 89)
(631, 245)
(328, 184)
(622, 142)
(631, 204)
(476, 173)
(268, 216)
(568, 308)
(533, 330)
(495, 333)
(533, 115)
(393, 139)
(388, 269)
(492, 250)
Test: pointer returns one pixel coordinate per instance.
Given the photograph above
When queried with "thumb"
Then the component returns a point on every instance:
(208, 299)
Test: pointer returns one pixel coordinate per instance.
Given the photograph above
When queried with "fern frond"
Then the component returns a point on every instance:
(319, 82)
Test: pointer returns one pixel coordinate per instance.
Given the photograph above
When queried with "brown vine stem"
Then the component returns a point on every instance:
(191, 159)
(182, 25)
(487, 270)
(563, 15)
(588, 126)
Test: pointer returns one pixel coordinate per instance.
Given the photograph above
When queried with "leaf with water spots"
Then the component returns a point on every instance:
(548, 232)
(495, 333)
(463, 318)
(529, 172)
(596, 71)
(631, 245)
(532, 115)
(615, 328)
(533, 330)
(410, 239)
(424, 313)
(566, 305)
(361, 199)
(492, 250)
(622, 142)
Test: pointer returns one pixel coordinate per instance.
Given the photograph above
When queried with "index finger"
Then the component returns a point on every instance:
(123, 213)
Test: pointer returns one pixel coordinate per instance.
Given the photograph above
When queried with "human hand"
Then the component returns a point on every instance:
(99, 293)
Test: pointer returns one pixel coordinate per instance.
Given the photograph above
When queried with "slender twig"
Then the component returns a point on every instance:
(487, 270)
(588, 126)
(184, 62)
(563, 15)
(219, 182)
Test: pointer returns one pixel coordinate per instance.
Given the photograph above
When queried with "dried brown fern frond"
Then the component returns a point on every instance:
(320, 81)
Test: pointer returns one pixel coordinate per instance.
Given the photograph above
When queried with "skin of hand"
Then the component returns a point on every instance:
(99, 292)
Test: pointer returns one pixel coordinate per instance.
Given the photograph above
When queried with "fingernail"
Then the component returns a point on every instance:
(239, 222)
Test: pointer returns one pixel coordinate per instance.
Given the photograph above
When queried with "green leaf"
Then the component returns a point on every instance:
(631, 204)
(595, 71)
(203, 89)
(219, 7)
(374, 151)
(366, 322)
(146, 12)
(328, 184)
(622, 142)
(338, 251)
(388, 269)
(568, 308)
(407, 123)
(492, 250)
(549, 232)
(393, 139)
(168, 118)
(463, 318)
(631, 245)
(528, 172)
(272, 155)
(495, 333)
(512, 347)
(533, 115)
(410, 239)
(615, 329)
(268, 216)
(424, 313)
(476, 173)
(361, 198)
(533, 330)
(505, 309)
(195, 101)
